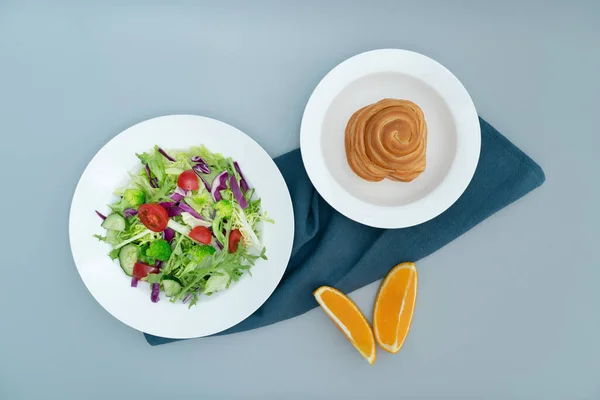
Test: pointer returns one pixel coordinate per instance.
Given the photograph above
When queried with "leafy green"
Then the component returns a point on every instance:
(232, 264)
(155, 162)
(202, 203)
(120, 206)
(155, 278)
(217, 281)
(240, 222)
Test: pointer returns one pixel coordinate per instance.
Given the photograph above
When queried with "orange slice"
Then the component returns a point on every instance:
(348, 318)
(394, 306)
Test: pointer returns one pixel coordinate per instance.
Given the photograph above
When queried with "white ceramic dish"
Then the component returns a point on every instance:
(453, 141)
(105, 279)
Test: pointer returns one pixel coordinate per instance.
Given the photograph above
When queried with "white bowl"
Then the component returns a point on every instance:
(453, 137)
(111, 287)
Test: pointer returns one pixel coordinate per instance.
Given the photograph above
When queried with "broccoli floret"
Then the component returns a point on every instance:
(135, 197)
(159, 249)
(200, 252)
(224, 208)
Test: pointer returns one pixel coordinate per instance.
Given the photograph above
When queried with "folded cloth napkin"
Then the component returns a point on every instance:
(321, 254)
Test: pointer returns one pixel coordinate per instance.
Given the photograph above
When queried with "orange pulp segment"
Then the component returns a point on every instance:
(394, 306)
(348, 318)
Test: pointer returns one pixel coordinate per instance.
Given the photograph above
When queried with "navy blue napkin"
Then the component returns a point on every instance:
(321, 255)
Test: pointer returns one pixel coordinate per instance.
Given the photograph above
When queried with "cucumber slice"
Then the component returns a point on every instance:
(171, 287)
(114, 222)
(128, 257)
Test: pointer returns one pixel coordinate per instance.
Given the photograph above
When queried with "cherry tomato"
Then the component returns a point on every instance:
(234, 240)
(188, 180)
(154, 216)
(141, 270)
(201, 234)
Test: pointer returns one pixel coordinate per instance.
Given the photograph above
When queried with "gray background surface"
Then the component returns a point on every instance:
(509, 310)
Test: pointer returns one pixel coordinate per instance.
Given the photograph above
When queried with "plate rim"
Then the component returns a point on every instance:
(462, 169)
(288, 205)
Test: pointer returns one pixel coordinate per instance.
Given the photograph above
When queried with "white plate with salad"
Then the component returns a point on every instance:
(181, 226)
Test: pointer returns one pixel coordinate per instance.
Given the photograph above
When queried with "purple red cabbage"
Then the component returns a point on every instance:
(153, 181)
(201, 168)
(219, 244)
(155, 291)
(130, 212)
(244, 185)
(237, 193)
(134, 282)
(175, 211)
(167, 204)
(158, 264)
(206, 184)
(168, 234)
(101, 215)
(164, 153)
(218, 184)
(178, 194)
(190, 210)
(187, 298)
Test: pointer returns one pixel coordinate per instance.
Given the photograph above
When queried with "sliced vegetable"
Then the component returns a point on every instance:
(134, 282)
(167, 204)
(114, 222)
(141, 270)
(177, 227)
(206, 184)
(171, 287)
(243, 183)
(201, 168)
(235, 236)
(155, 292)
(201, 234)
(168, 234)
(164, 153)
(101, 215)
(190, 210)
(193, 222)
(154, 216)
(178, 194)
(187, 298)
(175, 211)
(198, 159)
(188, 180)
(128, 257)
(218, 184)
(130, 212)
(153, 181)
(237, 193)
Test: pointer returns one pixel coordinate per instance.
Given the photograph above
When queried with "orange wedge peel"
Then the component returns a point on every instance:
(394, 307)
(348, 318)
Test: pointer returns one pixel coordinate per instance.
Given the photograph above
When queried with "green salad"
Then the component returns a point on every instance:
(187, 223)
